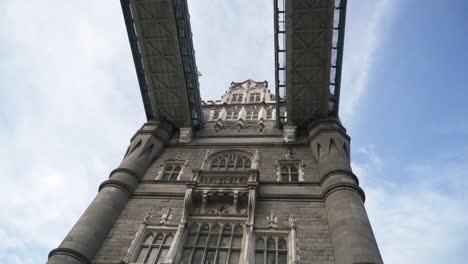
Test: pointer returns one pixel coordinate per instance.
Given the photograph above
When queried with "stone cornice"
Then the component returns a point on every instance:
(343, 186)
(117, 184)
(124, 170)
(70, 252)
(319, 127)
(334, 172)
(151, 128)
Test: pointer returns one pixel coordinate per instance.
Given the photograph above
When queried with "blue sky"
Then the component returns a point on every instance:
(69, 103)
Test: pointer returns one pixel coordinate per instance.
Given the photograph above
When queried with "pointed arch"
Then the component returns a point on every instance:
(230, 160)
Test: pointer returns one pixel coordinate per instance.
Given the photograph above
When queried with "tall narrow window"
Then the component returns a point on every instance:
(216, 115)
(213, 244)
(230, 162)
(171, 171)
(250, 115)
(233, 115)
(237, 98)
(271, 251)
(154, 248)
(254, 97)
(289, 171)
(234, 98)
(255, 115)
(269, 114)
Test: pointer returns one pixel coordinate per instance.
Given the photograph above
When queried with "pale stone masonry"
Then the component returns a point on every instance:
(238, 190)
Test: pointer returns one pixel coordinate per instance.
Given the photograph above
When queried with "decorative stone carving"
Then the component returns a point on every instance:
(166, 217)
(243, 179)
(292, 220)
(219, 125)
(288, 155)
(215, 203)
(260, 126)
(289, 134)
(272, 220)
(148, 216)
(239, 125)
(185, 135)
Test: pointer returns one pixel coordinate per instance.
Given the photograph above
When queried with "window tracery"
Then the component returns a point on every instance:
(271, 250)
(230, 162)
(171, 169)
(254, 97)
(154, 247)
(289, 171)
(213, 243)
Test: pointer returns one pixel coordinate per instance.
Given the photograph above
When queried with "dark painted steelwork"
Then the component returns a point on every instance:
(187, 52)
(339, 55)
(280, 53)
(132, 37)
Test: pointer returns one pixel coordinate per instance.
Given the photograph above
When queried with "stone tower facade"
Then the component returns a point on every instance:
(239, 190)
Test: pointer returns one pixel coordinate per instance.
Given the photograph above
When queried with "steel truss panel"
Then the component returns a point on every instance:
(309, 33)
(161, 39)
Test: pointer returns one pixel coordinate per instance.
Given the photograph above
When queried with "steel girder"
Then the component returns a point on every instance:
(161, 41)
(313, 60)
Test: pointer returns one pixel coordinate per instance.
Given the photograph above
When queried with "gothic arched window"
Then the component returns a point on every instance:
(171, 170)
(154, 248)
(271, 250)
(230, 162)
(213, 243)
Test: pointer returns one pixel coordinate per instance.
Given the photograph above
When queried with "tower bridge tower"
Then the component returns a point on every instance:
(255, 177)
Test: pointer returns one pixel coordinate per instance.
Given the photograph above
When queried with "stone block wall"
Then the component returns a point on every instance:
(122, 233)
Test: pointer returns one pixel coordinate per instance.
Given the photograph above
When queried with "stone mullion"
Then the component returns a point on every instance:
(87, 235)
(176, 249)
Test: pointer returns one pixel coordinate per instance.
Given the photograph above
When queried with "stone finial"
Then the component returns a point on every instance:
(166, 217)
(272, 219)
(292, 220)
(185, 135)
(219, 125)
(289, 134)
(260, 126)
(148, 216)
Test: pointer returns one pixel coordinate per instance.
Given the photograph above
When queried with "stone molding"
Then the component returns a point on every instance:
(118, 184)
(71, 253)
(343, 186)
(124, 170)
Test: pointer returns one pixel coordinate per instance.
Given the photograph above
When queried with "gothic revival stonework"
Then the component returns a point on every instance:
(238, 190)
(251, 178)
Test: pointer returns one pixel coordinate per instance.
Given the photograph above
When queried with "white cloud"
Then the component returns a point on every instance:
(70, 103)
(415, 218)
(366, 26)
(233, 42)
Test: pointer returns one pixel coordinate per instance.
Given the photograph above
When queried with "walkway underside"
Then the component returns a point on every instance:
(309, 32)
(314, 50)
(161, 41)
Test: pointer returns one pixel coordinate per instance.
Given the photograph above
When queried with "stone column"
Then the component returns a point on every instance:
(351, 232)
(85, 238)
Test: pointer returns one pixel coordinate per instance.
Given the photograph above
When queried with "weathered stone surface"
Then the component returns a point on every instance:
(330, 221)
